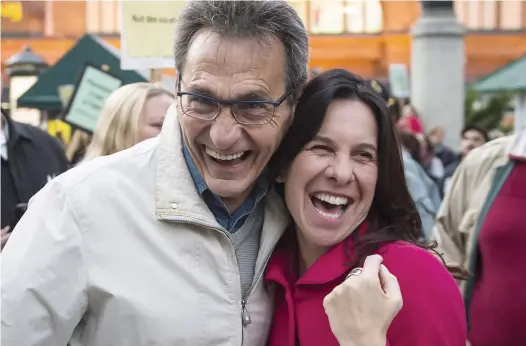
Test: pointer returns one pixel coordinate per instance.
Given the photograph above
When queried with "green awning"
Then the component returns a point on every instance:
(89, 49)
(511, 78)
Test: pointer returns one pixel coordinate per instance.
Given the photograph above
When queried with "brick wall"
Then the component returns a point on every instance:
(69, 18)
(400, 15)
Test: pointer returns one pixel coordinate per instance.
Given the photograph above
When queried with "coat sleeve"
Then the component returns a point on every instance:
(433, 313)
(44, 274)
(451, 243)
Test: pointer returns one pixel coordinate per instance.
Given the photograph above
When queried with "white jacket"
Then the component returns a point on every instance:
(123, 251)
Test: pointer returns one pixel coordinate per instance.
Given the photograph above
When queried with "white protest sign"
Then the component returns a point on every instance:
(147, 30)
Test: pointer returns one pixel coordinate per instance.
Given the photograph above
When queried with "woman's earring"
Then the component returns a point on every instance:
(280, 179)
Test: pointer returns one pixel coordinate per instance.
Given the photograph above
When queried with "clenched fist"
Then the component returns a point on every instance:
(361, 309)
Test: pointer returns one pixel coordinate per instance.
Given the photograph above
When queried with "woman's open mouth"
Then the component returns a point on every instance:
(329, 206)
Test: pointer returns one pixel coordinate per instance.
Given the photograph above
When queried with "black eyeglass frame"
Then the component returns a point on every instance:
(230, 103)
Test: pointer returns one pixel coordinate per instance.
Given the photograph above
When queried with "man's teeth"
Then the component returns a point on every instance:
(331, 199)
(222, 157)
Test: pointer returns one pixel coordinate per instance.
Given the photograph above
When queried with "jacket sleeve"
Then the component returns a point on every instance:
(451, 242)
(44, 274)
(433, 313)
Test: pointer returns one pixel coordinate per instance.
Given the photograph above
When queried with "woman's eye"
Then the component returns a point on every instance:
(364, 155)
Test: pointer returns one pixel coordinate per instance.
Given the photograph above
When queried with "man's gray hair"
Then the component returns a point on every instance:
(258, 20)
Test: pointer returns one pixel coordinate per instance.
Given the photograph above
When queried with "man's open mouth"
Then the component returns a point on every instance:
(227, 159)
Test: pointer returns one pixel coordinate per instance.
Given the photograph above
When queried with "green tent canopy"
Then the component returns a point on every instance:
(511, 77)
(89, 49)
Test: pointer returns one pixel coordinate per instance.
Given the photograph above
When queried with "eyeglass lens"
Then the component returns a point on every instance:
(204, 108)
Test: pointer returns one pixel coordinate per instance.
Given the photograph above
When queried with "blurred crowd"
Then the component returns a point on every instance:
(179, 211)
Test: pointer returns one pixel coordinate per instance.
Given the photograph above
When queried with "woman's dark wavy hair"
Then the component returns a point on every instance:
(393, 215)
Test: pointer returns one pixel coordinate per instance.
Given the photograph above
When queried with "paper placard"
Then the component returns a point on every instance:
(91, 91)
(147, 33)
(399, 81)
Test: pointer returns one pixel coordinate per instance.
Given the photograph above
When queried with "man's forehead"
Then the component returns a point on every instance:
(234, 57)
(207, 41)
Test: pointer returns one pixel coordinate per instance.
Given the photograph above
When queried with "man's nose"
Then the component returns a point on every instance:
(225, 131)
(341, 170)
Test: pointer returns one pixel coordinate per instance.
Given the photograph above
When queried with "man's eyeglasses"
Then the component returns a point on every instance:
(204, 107)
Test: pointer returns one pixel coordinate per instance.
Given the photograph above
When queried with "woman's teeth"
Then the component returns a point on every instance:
(331, 199)
(329, 206)
(223, 157)
(329, 215)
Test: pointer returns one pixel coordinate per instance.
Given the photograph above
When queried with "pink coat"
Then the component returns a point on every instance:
(433, 313)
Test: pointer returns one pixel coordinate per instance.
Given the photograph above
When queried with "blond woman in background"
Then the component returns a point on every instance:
(131, 114)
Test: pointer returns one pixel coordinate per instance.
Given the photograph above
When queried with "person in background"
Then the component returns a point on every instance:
(482, 226)
(30, 158)
(443, 152)
(76, 149)
(131, 114)
(472, 136)
(424, 191)
(432, 164)
(344, 186)
(410, 121)
(166, 243)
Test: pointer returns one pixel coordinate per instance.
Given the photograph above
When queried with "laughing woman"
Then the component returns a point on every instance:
(344, 184)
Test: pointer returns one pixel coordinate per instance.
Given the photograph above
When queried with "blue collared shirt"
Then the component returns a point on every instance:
(231, 222)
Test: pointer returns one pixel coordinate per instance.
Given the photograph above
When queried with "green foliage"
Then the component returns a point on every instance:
(489, 116)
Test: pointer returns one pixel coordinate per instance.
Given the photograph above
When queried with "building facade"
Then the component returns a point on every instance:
(364, 36)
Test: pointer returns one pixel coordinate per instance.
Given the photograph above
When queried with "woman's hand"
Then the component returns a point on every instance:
(361, 309)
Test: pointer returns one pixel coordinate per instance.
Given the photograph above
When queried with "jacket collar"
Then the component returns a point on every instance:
(15, 130)
(176, 197)
(331, 266)
(505, 147)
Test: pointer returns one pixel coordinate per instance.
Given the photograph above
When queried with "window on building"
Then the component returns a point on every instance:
(355, 16)
(340, 16)
(23, 17)
(364, 16)
(511, 15)
(492, 14)
(489, 18)
(301, 9)
(326, 17)
(102, 17)
(473, 15)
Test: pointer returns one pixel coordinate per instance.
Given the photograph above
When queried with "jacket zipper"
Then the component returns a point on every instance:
(245, 313)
